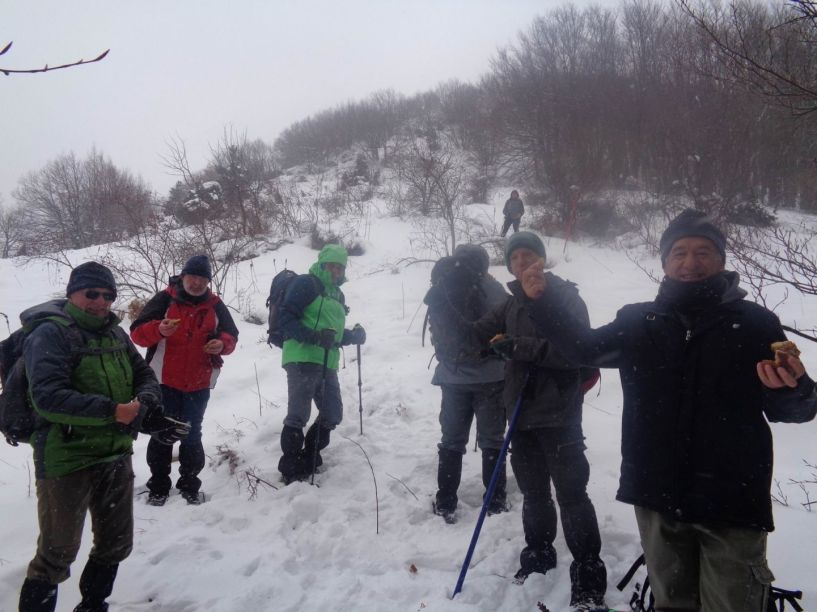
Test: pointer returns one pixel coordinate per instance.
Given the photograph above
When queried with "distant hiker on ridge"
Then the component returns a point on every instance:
(699, 386)
(470, 381)
(187, 328)
(313, 315)
(512, 211)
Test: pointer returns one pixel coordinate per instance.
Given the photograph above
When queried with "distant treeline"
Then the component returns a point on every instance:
(638, 96)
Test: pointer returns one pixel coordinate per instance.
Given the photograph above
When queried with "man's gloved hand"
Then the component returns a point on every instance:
(503, 346)
(325, 338)
(356, 335)
(168, 431)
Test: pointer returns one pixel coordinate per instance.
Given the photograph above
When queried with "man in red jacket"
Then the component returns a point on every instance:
(187, 329)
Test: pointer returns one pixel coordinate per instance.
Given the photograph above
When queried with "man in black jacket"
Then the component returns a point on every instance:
(696, 446)
(547, 443)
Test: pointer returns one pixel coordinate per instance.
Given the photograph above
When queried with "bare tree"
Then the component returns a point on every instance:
(73, 203)
(772, 53)
(12, 224)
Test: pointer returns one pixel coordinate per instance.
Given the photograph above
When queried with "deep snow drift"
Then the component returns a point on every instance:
(303, 548)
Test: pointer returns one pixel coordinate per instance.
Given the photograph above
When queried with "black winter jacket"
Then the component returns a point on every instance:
(695, 442)
(553, 395)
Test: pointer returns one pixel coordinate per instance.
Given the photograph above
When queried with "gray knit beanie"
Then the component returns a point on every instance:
(523, 240)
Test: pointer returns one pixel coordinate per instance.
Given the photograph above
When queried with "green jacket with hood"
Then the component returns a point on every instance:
(313, 302)
(75, 389)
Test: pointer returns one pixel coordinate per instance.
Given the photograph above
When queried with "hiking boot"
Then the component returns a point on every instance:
(448, 514)
(490, 457)
(535, 561)
(193, 498)
(594, 604)
(38, 596)
(156, 499)
(497, 506)
(588, 584)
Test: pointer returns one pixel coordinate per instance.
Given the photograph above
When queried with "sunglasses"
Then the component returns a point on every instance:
(92, 294)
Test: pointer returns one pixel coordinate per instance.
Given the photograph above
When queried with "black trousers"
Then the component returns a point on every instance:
(507, 224)
(539, 456)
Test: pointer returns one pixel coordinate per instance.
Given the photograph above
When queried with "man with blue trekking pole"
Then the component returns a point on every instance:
(547, 443)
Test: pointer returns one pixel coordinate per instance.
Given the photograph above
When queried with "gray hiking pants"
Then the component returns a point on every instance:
(696, 567)
(104, 489)
(460, 404)
(305, 383)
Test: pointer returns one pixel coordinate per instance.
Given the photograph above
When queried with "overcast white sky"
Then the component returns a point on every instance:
(189, 68)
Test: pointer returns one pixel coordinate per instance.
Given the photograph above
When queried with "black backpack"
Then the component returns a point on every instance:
(454, 299)
(17, 417)
(277, 291)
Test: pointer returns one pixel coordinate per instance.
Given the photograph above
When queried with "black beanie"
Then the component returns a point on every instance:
(691, 222)
(523, 240)
(90, 275)
(198, 265)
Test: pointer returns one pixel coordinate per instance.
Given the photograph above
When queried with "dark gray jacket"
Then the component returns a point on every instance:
(484, 368)
(553, 396)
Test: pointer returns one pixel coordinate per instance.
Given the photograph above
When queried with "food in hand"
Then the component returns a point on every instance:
(173, 321)
(786, 347)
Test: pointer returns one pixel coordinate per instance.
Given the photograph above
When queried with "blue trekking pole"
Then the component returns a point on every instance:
(489, 494)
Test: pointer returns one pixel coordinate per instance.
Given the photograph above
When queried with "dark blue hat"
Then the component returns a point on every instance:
(90, 275)
(198, 265)
(689, 223)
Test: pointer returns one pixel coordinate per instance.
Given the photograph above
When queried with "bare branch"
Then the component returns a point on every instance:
(47, 68)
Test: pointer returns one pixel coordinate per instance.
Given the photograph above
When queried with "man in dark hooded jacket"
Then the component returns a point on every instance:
(471, 386)
(547, 443)
(696, 446)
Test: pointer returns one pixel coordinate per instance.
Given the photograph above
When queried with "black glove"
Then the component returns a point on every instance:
(356, 335)
(148, 404)
(168, 431)
(324, 338)
(504, 347)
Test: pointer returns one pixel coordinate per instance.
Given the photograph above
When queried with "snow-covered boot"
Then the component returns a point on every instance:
(38, 596)
(292, 464)
(534, 560)
(498, 504)
(313, 438)
(588, 584)
(449, 472)
(95, 586)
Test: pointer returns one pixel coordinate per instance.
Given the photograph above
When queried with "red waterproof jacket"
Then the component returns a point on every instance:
(179, 360)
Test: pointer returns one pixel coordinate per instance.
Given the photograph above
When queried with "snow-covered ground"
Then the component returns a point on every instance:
(303, 548)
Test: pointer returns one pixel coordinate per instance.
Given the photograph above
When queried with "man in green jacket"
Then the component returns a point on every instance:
(91, 391)
(313, 316)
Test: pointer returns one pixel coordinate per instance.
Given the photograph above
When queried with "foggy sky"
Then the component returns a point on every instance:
(186, 69)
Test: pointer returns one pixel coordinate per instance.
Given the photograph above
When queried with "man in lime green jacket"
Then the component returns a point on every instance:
(313, 316)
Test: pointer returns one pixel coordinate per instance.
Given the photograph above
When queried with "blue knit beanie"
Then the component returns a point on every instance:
(198, 265)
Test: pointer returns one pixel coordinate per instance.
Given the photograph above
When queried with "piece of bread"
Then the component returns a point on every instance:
(786, 347)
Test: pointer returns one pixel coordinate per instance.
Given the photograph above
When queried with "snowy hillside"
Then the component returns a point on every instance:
(305, 548)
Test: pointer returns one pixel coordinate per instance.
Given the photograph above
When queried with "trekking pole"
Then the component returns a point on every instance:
(318, 420)
(359, 390)
(489, 494)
